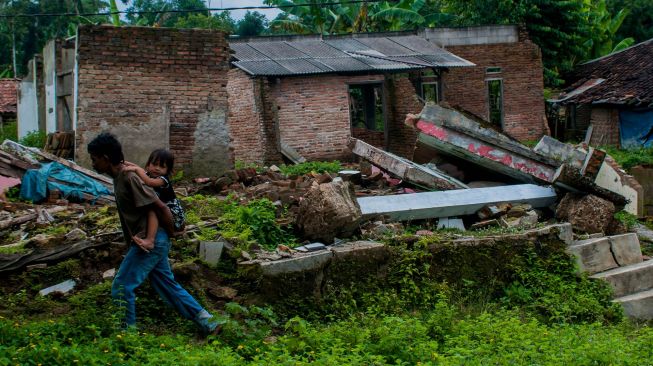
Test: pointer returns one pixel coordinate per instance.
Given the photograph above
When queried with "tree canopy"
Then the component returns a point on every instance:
(568, 32)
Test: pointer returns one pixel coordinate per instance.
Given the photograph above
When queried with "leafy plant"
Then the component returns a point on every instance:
(311, 166)
(34, 139)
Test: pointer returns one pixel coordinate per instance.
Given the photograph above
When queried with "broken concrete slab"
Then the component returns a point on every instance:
(453, 133)
(298, 263)
(291, 153)
(211, 251)
(593, 255)
(613, 178)
(638, 305)
(313, 247)
(626, 249)
(426, 205)
(403, 168)
(361, 249)
(587, 162)
(60, 288)
(629, 279)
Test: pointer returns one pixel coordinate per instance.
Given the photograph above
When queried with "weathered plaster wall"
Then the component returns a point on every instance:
(155, 87)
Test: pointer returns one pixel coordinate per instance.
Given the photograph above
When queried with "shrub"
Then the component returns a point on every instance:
(34, 139)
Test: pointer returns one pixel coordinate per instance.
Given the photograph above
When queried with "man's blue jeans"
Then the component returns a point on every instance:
(139, 265)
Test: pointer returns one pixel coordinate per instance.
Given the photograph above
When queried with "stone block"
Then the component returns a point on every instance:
(593, 255)
(299, 263)
(210, 252)
(368, 249)
(626, 249)
(638, 305)
(109, 274)
(629, 279)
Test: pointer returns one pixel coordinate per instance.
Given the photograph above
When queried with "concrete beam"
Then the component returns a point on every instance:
(426, 205)
(403, 168)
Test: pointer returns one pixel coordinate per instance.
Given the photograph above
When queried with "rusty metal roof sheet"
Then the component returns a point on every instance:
(313, 56)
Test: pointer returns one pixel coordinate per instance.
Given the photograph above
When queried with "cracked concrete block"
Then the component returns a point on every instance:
(638, 305)
(629, 279)
(210, 251)
(626, 249)
(62, 288)
(360, 249)
(308, 262)
(593, 255)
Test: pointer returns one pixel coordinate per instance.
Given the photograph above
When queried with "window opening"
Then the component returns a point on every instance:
(430, 92)
(366, 106)
(495, 101)
(492, 70)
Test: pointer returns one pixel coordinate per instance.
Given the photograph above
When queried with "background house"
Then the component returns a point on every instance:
(8, 99)
(313, 93)
(610, 99)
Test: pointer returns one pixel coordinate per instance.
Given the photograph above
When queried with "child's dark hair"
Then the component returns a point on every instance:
(162, 157)
(106, 144)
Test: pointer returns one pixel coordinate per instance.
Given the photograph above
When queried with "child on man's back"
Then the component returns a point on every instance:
(157, 175)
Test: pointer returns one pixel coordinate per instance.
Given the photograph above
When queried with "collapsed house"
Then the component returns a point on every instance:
(300, 96)
(610, 100)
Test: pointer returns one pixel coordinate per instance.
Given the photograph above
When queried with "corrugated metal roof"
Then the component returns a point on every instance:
(285, 58)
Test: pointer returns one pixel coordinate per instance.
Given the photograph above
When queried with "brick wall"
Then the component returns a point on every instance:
(252, 119)
(404, 100)
(155, 87)
(606, 126)
(521, 72)
(313, 113)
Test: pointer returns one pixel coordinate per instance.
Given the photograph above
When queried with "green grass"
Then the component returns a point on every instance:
(629, 158)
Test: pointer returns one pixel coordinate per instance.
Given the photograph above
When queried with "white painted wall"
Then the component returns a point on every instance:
(28, 111)
(50, 85)
(610, 179)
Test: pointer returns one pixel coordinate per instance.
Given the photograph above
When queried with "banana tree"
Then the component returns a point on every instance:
(603, 27)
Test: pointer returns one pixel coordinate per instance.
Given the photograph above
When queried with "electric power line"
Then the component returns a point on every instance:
(189, 10)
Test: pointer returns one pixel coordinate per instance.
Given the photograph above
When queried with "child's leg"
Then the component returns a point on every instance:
(152, 226)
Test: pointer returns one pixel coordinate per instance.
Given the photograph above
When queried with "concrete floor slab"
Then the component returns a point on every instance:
(629, 279)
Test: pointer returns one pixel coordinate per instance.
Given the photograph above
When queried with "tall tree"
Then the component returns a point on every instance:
(153, 12)
(220, 21)
(252, 24)
(31, 32)
(639, 24)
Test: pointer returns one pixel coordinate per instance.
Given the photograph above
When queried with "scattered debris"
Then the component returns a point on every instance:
(311, 247)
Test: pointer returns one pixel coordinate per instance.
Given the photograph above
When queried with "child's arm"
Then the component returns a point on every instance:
(147, 243)
(152, 182)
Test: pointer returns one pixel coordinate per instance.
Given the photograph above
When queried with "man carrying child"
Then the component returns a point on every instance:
(136, 203)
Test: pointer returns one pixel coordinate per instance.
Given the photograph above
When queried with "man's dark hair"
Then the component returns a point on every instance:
(162, 157)
(106, 144)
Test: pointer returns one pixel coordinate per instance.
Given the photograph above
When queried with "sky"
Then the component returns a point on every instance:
(236, 14)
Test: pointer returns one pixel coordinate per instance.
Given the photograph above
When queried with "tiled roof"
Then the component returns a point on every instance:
(624, 77)
(340, 54)
(8, 95)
